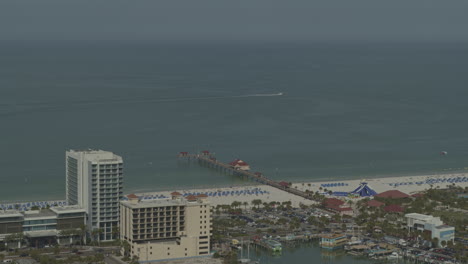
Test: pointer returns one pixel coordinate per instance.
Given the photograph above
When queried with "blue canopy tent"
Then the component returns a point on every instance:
(364, 190)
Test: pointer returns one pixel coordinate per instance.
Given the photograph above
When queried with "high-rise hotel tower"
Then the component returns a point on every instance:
(95, 182)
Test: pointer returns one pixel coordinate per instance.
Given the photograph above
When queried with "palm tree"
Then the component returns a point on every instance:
(444, 243)
(116, 232)
(9, 238)
(67, 233)
(126, 247)
(94, 233)
(18, 237)
(99, 232)
(83, 233)
(435, 242)
(256, 202)
(236, 204)
(245, 205)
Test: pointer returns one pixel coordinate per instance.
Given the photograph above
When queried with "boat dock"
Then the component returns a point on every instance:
(271, 245)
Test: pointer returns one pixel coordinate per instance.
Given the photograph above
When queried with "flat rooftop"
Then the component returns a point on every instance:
(333, 236)
(39, 213)
(159, 203)
(10, 213)
(419, 216)
(444, 227)
(95, 155)
(68, 209)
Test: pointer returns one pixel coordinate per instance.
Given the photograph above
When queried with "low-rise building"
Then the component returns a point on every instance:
(44, 226)
(166, 229)
(11, 222)
(240, 165)
(392, 194)
(333, 241)
(337, 206)
(393, 208)
(434, 225)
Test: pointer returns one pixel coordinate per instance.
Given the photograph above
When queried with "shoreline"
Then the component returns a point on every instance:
(353, 183)
(318, 180)
(247, 193)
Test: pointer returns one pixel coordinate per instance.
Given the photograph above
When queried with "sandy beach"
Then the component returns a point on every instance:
(406, 184)
(241, 194)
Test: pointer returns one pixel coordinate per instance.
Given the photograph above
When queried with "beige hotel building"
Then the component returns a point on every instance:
(166, 229)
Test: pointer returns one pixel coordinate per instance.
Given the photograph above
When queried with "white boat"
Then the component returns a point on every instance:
(394, 255)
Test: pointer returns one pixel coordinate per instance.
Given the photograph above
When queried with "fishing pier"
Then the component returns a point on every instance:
(240, 168)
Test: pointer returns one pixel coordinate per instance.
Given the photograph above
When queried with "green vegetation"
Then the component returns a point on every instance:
(46, 259)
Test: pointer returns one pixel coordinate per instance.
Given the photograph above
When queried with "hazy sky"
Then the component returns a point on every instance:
(279, 20)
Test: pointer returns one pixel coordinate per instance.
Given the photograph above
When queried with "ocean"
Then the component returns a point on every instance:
(346, 110)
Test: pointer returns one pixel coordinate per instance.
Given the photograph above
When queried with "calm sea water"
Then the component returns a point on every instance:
(347, 110)
(307, 254)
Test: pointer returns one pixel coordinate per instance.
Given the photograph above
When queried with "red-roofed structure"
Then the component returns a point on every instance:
(417, 195)
(393, 208)
(330, 202)
(191, 198)
(393, 194)
(374, 203)
(202, 196)
(176, 194)
(205, 152)
(284, 184)
(239, 165)
(132, 196)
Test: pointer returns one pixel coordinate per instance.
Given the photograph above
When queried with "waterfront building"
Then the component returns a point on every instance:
(11, 222)
(94, 181)
(333, 241)
(44, 226)
(429, 223)
(240, 165)
(273, 245)
(166, 229)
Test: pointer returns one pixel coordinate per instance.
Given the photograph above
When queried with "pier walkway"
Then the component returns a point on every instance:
(208, 160)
